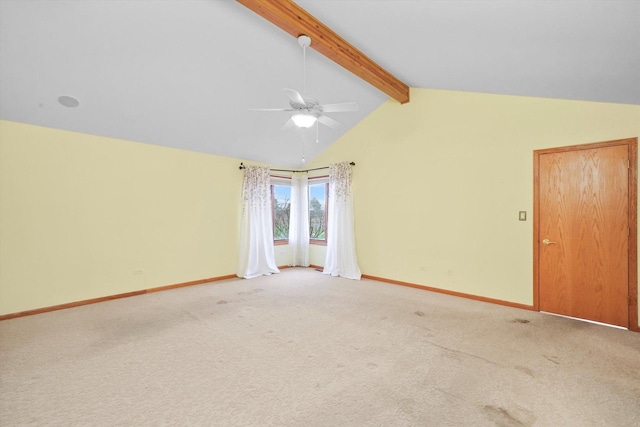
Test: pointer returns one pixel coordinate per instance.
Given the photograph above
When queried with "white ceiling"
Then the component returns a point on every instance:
(184, 73)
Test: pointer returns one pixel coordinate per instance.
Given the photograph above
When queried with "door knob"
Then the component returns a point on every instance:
(548, 242)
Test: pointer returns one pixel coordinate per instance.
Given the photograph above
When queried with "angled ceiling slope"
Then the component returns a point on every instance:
(185, 74)
(170, 73)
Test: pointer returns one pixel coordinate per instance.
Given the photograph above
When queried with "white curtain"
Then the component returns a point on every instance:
(299, 220)
(341, 259)
(256, 257)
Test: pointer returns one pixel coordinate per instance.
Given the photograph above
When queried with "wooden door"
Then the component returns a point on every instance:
(583, 232)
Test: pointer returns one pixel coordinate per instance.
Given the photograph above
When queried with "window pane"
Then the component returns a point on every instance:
(281, 207)
(317, 211)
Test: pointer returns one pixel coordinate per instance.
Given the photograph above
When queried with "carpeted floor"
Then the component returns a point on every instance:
(304, 349)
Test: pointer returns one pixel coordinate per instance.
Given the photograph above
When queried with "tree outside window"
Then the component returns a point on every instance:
(318, 212)
(281, 196)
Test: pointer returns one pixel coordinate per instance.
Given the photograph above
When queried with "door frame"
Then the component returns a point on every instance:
(632, 144)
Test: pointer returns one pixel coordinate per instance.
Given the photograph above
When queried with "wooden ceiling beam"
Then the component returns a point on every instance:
(296, 21)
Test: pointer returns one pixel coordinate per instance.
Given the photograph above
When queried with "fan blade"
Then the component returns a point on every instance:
(338, 108)
(295, 96)
(288, 125)
(328, 121)
(270, 109)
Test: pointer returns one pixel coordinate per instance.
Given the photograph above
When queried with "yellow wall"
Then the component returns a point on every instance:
(79, 214)
(438, 186)
(439, 182)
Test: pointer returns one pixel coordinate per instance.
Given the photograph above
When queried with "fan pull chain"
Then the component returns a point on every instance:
(303, 140)
(317, 132)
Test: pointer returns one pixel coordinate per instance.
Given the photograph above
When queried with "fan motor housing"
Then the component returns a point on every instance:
(311, 105)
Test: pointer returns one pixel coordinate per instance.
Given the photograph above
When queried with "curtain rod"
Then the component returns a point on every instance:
(242, 166)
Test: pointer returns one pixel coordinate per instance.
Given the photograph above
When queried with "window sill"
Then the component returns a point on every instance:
(311, 242)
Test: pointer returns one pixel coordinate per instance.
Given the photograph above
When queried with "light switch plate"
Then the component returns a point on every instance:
(522, 215)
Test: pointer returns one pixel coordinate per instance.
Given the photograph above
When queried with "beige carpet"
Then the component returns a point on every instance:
(304, 349)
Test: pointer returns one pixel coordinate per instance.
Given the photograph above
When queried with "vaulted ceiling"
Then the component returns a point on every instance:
(185, 73)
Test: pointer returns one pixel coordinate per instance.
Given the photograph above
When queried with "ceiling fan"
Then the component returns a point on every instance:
(308, 111)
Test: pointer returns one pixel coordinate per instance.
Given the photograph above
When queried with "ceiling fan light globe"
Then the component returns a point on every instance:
(303, 120)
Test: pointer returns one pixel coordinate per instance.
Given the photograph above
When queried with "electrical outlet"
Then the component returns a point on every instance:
(522, 215)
